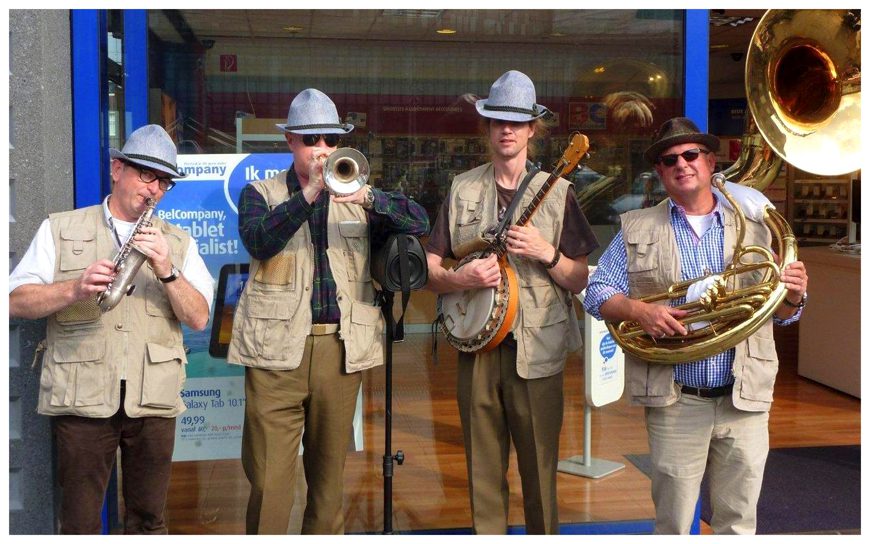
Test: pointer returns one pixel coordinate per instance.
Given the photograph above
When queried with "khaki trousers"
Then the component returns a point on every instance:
(496, 407)
(695, 434)
(318, 397)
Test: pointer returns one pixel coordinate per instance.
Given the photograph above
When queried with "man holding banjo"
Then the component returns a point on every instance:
(511, 390)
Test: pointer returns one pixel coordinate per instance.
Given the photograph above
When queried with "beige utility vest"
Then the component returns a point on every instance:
(85, 349)
(546, 327)
(273, 317)
(654, 265)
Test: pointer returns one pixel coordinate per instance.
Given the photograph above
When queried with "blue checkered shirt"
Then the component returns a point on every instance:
(698, 257)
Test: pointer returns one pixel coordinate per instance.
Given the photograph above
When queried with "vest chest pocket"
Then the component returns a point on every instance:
(156, 302)
(277, 273)
(78, 373)
(355, 235)
(78, 248)
(163, 375)
(643, 260)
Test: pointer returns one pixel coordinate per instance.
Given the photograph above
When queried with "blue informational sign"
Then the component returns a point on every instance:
(205, 205)
(607, 347)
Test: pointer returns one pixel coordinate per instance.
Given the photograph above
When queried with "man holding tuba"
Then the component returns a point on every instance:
(307, 324)
(711, 413)
(514, 392)
(113, 379)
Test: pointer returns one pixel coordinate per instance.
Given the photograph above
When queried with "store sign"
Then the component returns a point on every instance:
(204, 205)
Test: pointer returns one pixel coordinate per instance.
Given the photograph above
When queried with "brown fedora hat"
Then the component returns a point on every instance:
(679, 130)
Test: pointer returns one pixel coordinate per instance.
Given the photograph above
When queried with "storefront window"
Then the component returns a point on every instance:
(224, 78)
(407, 79)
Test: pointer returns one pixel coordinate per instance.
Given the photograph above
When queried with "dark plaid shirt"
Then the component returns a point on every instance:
(264, 233)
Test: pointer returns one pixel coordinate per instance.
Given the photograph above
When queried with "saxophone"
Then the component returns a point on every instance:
(127, 263)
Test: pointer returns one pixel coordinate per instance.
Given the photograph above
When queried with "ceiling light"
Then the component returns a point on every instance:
(599, 70)
(293, 29)
(445, 31)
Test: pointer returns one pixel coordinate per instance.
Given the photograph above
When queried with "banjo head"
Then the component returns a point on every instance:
(466, 313)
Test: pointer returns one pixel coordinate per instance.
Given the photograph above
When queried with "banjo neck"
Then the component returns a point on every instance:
(577, 147)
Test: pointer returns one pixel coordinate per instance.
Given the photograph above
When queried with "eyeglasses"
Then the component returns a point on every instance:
(688, 155)
(331, 140)
(148, 176)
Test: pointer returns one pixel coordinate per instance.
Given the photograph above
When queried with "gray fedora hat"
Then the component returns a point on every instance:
(676, 131)
(511, 98)
(150, 146)
(312, 112)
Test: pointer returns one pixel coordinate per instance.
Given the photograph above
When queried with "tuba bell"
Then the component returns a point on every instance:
(345, 171)
(804, 93)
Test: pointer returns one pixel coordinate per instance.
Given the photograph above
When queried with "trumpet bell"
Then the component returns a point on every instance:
(803, 86)
(346, 171)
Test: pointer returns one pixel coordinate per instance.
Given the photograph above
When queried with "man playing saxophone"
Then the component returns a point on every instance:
(113, 379)
(710, 414)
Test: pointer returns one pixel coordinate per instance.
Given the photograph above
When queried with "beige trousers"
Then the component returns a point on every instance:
(496, 407)
(318, 397)
(694, 435)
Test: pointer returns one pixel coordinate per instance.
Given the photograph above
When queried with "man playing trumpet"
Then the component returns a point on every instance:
(711, 413)
(306, 324)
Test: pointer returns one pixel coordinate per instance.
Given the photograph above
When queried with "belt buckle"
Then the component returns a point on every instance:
(322, 329)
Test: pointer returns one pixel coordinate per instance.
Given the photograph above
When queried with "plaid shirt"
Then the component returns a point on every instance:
(698, 257)
(264, 233)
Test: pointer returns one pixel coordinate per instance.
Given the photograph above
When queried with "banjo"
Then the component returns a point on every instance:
(479, 319)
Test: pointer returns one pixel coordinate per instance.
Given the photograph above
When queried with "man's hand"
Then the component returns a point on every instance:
(659, 321)
(152, 243)
(480, 273)
(795, 278)
(528, 242)
(94, 279)
(358, 197)
(315, 174)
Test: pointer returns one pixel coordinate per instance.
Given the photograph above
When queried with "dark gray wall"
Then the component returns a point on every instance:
(40, 182)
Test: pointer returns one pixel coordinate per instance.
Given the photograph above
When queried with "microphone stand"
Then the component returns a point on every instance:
(399, 457)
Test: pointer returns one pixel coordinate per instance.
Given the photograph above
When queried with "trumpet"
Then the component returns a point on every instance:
(346, 171)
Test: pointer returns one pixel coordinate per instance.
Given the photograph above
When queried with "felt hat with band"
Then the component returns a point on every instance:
(676, 131)
(312, 112)
(511, 98)
(150, 146)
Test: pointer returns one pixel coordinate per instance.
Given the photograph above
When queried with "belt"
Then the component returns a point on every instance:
(707, 392)
(322, 329)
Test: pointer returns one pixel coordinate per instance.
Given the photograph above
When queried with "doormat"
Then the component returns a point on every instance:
(805, 490)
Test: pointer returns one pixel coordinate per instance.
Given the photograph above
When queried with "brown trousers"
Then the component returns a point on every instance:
(86, 450)
(318, 397)
(496, 407)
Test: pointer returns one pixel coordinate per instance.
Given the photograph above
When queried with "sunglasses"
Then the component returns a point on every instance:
(331, 140)
(688, 155)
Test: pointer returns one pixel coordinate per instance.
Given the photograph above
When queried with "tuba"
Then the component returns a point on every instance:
(805, 97)
(127, 263)
(345, 171)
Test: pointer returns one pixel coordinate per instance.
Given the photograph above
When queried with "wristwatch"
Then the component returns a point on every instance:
(369, 202)
(173, 275)
(800, 304)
